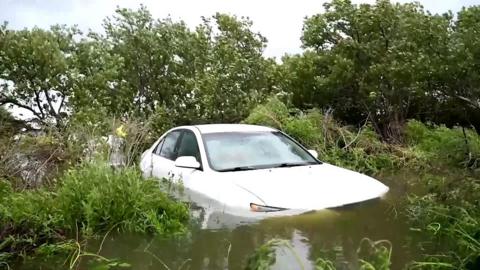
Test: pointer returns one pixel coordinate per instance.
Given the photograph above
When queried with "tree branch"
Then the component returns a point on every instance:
(473, 103)
(49, 101)
(384, 35)
(61, 104)
(39, 104)
(12, 101)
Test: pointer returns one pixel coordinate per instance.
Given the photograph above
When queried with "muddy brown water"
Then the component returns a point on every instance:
(335, 231)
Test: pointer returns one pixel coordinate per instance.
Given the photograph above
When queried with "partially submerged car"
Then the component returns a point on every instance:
(256, 171)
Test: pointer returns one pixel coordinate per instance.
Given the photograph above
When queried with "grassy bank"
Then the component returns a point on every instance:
(89, 201)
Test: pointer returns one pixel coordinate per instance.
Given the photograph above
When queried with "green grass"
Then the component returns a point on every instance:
(96, 198)
(89, 201)
(449, 215)
(454, 147)
(264, 256)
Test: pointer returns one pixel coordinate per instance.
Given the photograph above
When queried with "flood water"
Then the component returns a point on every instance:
(334, 231)
(339, 231)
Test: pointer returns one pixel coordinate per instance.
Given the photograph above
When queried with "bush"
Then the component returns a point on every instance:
(30, 161)
(361, 150)
(274, 114)
(92, 199)
(34, 160)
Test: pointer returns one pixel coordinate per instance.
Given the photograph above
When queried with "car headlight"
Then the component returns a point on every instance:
(265, 208)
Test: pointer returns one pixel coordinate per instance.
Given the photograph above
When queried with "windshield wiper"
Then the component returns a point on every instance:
(286, 165)
(236, 169)
(281, 165)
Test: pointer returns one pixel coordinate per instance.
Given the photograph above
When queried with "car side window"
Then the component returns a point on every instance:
(169, 150)
(189, 145)
(158, 147)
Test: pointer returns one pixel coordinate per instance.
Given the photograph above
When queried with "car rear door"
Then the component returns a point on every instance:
(164, 155)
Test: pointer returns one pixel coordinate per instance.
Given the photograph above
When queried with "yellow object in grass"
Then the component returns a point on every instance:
(121, 132)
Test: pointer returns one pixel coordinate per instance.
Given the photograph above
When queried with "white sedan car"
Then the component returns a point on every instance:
(254, 171)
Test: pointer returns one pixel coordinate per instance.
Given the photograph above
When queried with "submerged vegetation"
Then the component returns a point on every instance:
(370, 255)
(380, 87)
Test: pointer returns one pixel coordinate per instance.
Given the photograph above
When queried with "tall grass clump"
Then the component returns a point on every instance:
(89, 201)
(264, 257)
(458, 147)
(449, 215)
(96, 198)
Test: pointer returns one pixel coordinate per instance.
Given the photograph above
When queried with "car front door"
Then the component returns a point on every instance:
(164, 155)
(188, 146)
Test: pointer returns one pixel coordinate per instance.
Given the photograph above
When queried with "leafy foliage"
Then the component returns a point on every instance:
(264, 256)
(37, 71)
(362, 149)
(389, 62)
(215, 73)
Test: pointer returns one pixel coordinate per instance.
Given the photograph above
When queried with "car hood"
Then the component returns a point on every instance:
(308, 187)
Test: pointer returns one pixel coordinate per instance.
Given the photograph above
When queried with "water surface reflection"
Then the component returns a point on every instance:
(313, 235)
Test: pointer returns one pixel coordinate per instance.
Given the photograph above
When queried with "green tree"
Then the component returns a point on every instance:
(213, 73)
(231, 75)
(36, 71)
(460, 78)
(376, 60)
(154, 55)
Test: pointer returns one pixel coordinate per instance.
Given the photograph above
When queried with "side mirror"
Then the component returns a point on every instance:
(313, 153)
(187, 162)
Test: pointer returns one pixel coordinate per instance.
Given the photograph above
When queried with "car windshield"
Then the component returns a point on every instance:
(235, 151)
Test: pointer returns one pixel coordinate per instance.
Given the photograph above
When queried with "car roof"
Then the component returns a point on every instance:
(214, 128)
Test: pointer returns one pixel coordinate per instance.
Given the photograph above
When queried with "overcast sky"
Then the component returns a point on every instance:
(280, 21)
